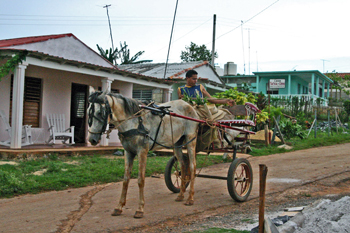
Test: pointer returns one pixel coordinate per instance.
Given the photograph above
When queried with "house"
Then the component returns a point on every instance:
(55, 78)
(311, 84)
(177, 72)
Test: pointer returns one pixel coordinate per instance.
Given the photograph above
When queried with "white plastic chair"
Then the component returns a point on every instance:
(57, 129)
(26, 132)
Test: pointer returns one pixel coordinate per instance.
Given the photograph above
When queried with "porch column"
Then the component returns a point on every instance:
(167, 95)
(106, 86)
(312, 85)
(328, 84)
(317, 87)
(17, 106)
(323, 87)
(257, 83)
(289, 84)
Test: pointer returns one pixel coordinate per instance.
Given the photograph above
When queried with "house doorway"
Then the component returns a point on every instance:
(78, 111)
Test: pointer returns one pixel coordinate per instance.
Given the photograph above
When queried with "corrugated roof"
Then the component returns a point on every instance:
(32, 39)
(174, 70)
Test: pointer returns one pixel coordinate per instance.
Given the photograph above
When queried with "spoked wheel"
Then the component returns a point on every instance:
(240, 179)
(172, 175)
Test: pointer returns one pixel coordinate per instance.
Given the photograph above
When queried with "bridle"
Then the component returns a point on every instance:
(104, 110)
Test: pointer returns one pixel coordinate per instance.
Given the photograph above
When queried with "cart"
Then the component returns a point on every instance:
(240, 174)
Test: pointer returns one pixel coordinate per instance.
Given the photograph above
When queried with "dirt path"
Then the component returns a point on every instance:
(292, 177)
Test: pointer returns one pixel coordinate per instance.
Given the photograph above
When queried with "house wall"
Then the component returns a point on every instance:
(68, 48)
(5, 86)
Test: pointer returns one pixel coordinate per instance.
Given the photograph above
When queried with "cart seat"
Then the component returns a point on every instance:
(237, 122)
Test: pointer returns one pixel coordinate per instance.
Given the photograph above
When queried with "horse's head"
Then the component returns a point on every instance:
(99, 111)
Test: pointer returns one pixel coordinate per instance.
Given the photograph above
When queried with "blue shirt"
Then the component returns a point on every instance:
(192, 91)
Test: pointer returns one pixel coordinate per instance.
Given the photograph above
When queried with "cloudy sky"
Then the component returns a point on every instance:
(263, 35)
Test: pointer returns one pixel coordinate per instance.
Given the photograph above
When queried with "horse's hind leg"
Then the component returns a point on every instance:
(191, 149)
(129, 160)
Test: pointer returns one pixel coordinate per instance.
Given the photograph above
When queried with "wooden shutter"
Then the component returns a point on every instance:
(31, 101)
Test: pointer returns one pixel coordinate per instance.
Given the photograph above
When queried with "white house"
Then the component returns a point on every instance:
(55, 78)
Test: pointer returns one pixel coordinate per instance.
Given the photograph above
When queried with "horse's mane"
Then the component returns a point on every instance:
(131, 106)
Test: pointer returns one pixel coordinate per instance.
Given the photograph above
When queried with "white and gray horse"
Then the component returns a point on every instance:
(141, 131)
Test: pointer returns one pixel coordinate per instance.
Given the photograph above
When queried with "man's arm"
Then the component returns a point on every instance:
(217, 101)
(179, 93)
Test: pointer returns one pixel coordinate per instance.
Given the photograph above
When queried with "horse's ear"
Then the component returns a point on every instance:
(91, 90)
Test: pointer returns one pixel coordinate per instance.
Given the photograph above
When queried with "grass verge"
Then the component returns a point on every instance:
(59, 173)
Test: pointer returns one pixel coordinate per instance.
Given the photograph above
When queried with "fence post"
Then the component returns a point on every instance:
(267, 138)
(329, 123)
(315, 123)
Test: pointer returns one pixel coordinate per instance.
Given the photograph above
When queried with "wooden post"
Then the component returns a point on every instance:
(315, 122)
(266, 128)
(262, 184)
(329, 123)
(278, 128)
(275, 130)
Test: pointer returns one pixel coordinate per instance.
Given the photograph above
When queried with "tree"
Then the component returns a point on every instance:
(196, 53)
(123, 54)
(110, 55)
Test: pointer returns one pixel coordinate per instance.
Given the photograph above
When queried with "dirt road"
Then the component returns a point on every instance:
(89, 209)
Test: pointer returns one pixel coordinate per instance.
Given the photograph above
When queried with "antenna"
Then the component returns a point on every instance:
(323, 60)
(109, 22)
(243, 44)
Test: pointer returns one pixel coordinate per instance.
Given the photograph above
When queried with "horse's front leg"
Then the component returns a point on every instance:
(184, 173)
(191, 149)
(129, 160)
(141, 181)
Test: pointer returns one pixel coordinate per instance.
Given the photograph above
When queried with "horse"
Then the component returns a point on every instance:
(140, 131)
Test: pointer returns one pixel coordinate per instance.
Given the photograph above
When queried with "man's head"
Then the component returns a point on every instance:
(191, 78)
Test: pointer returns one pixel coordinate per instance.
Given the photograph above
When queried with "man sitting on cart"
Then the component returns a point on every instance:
(192, 89)
(206, 112)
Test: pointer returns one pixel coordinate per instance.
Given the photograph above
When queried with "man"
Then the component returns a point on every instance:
(193, 89)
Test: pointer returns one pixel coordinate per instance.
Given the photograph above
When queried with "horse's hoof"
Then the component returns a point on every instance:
(179, 199)
(117, 212)
(189, 202)
(138, 214)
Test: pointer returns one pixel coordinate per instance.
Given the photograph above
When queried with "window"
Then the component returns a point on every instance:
(142, 94)
(271, 91)
(31, 101)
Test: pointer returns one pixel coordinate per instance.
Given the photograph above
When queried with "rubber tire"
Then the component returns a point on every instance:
(168, 175)
(248, 180)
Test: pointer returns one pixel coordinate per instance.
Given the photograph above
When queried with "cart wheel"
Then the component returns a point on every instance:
(240, 179)
(172, 175)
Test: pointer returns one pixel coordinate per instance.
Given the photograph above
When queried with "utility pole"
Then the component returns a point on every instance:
(323, 60)
(249, 49)
(213, 48)
(109, 22)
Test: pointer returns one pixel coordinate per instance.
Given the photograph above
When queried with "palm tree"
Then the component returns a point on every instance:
(110, 55)
(125, 55)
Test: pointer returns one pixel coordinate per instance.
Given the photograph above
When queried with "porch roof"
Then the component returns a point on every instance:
(304, 74)
(8, 52)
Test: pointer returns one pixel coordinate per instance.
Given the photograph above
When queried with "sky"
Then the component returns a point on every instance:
(257, 35)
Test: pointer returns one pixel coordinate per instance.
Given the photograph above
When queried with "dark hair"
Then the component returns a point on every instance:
(190, 73)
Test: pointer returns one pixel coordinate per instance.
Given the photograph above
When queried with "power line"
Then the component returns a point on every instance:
(249, 19)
